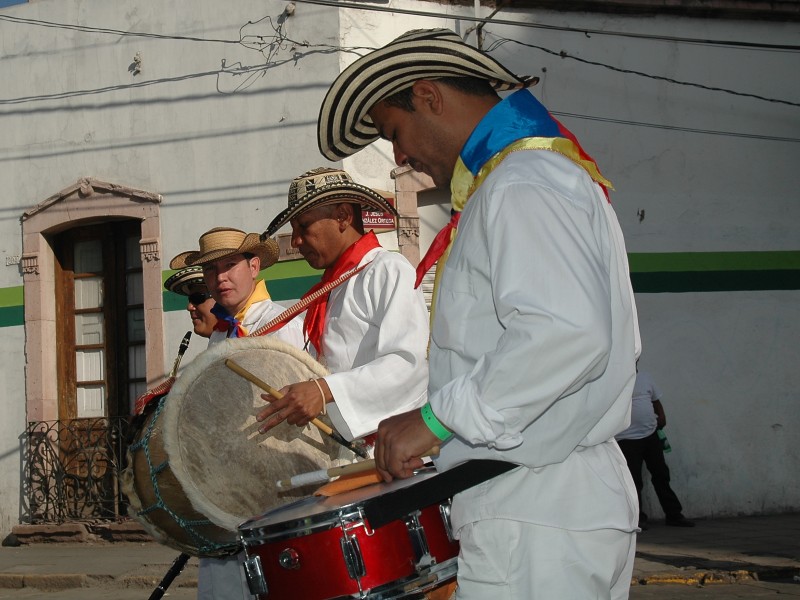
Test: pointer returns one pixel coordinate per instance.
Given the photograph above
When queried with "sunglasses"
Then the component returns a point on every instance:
(198, 298)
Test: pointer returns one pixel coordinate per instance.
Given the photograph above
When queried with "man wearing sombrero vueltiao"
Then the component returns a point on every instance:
(371, 331)
(534, 335)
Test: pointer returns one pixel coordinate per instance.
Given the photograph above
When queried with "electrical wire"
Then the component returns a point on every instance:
(563, 54)
(273, 43)
(584, 31)
(750, 136)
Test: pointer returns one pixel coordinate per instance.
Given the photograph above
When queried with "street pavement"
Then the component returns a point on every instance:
(731, 558)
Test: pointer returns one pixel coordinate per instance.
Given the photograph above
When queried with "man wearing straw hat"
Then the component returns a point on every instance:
(534, 334)
(189, 282)
(230, 260)
(371, 329)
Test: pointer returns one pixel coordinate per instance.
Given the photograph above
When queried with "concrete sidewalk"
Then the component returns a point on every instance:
(716, 550)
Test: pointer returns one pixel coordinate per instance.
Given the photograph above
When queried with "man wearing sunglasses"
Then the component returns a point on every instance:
(189, 282)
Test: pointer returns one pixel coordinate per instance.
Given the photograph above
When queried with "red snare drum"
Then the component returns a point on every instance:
(322, 548)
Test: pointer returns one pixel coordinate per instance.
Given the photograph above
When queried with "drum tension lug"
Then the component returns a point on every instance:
(353, 559)
(254, 574)
(444, 511)
(419, 541)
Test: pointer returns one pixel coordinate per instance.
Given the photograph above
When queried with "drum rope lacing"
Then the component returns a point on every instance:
(188, 525)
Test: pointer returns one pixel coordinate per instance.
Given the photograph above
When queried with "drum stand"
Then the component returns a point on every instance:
(174, 571)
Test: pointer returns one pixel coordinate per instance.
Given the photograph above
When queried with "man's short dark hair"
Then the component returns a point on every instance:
(472, 86)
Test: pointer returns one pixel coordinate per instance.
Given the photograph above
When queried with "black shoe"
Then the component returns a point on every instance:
(679, 522)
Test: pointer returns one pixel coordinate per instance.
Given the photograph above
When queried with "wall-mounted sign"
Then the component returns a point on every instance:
(377, 220)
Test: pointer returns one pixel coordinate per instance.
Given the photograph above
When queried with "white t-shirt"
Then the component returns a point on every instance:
(643, 417)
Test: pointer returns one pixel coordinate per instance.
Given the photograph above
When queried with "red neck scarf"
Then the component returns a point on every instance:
(314, 323)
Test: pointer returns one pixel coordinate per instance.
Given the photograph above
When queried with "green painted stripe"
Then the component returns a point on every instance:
(715, 281)
(661, 262)
(291, 289)
(12, 296)
(651, 273)
(11, 316)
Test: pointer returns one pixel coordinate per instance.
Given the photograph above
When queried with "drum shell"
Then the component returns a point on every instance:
(198, 467)
(143, 488)
(314, 538)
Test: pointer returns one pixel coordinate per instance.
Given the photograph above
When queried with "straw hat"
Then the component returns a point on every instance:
(344, 127)
(224, 241)
(322, 187)
(184, 279)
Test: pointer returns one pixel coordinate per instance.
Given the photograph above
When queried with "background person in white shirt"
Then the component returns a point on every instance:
(534, 334)
(641, 445)
(371, 331)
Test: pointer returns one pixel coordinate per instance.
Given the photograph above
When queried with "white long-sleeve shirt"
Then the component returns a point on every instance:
(374, 343)
(533, 348)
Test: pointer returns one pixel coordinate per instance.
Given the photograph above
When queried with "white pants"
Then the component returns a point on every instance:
(511, 560)
(222, 579)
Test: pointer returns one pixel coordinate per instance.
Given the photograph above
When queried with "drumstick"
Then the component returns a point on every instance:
(324, 475)
(275, 393)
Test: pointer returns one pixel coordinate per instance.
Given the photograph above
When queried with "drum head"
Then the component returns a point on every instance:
(227, 469)
(321, 512)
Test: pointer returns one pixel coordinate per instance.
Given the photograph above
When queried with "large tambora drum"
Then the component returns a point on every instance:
(198, 466)
(323, 548)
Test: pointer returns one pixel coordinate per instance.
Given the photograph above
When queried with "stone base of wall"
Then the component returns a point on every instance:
(125, 531)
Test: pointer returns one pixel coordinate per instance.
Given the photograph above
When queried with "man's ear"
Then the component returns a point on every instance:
(344, 215)
(255, 266)
(427, 95)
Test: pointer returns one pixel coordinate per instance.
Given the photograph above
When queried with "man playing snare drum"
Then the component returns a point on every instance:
(370, 331)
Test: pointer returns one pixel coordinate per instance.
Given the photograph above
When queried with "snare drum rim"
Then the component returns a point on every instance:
(301, 525)
(266, 528)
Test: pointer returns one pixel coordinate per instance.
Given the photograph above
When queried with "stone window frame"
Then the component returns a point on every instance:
(87, 201)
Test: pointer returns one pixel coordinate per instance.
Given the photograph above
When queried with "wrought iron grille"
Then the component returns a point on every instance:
(73, 469)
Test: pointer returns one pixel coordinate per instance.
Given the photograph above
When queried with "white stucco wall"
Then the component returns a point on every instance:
(727, 361)
(220, 147)
(12, 425)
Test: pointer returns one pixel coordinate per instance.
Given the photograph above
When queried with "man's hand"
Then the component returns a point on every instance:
(402, 440)
(298, 405)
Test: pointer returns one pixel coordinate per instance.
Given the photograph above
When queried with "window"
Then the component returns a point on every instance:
(100, 319)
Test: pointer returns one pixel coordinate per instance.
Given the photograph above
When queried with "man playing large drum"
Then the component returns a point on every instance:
(231, 260)
(370, 331)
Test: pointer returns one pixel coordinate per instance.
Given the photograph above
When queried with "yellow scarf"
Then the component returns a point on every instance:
(259, 294)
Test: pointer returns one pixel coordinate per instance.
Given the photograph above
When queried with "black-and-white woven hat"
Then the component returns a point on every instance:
(322, 187)
(344, 127)
(182, 281)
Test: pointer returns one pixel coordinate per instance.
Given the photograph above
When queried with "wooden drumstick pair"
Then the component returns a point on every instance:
(335, 435)
(324, 475)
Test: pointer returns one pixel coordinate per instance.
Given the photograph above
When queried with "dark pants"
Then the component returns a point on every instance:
(648, 450)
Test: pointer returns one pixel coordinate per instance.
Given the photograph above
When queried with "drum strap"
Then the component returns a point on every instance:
(303, 304)
(395, 505)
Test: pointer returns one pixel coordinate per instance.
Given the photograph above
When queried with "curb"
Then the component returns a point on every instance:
(703, 578)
